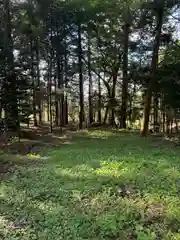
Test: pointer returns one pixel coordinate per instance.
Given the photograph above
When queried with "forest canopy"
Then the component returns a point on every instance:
(90, 62)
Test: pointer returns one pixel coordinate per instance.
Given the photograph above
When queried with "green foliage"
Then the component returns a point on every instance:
(45, 46)
(76, 192)
(168, 75)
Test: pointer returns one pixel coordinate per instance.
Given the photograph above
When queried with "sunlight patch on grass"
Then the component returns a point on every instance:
(115, 169)
(33, 156)
(77, 194)
(173, 173)
(5, 224)
(100, 134)
(172, 236)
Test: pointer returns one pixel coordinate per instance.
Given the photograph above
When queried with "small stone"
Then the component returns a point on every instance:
(19, 225)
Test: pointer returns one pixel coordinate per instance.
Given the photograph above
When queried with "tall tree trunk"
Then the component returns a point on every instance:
(50, 77)
(171, 125)
(99, 100)
(108, 107)
(148, 97)
(33, 75)
(130, 110)
(113, 100)
(62, 110)
(60, 87)
(66, 86)
(33, 83)
(125, 78)
(10, 84)
(38, 82)
(156, 107)
(90, 81)
(177, 126)
(163, 115)
(56, 103)
(168, 123)
(48, 104)
(164, 121)
(106, 115)
(50, 94)
(81, 82)
(132, 119)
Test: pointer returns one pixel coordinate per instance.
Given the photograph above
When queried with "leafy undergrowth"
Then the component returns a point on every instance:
(103, 185)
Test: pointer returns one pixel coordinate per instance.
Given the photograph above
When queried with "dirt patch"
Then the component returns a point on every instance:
(33, 140)
(28, 150)
(5, 167)
(128, 191)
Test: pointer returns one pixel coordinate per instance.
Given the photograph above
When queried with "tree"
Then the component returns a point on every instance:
(81, 82)
(91, 120)
(85, 58)
(126, 29)
(9, 99)
(161, 7)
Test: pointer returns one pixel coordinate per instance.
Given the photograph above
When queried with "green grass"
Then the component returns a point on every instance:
(75, 194)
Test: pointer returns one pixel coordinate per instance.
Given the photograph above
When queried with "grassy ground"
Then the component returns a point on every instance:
(98, 185)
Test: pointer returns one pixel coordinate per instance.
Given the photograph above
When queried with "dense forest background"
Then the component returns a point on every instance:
(90, 119)
(90, 63)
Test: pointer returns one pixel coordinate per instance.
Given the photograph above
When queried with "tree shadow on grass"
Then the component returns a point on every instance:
(82, 202)
(34, 141)
(77, 193)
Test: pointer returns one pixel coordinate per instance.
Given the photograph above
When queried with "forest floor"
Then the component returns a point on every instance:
(90, 185)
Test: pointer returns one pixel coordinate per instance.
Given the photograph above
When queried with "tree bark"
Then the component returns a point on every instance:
(90, 81)
(50, 79)
(33, 83)
(60, 87)
(38, 82)
(108, 107)
(163, 115)
(56, 103)
(172, 121)
(156, 103)
(106, 115)
(113, 100)
(50, 93)
(48, 104)
(99, 101)
(10, 83)
(130, 110)
(177, 126)
(164, 121)
(125, 78)
(154, 62)
(168, 123)
(66, 86)
(81, 82)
